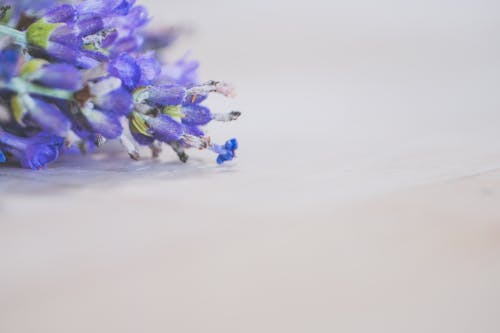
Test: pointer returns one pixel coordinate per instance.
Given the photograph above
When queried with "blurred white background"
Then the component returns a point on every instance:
(365, 196)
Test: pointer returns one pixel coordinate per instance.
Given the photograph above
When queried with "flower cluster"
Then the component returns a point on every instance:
(77, 75)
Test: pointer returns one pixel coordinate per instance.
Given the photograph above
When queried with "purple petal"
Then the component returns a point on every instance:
(126, 45)
(63, 13)
(183, 72)
(62, 52)
(124, 7)
(93, 8)
(68, 35)
(196, 115)
(34, 152)
(125, 25)
(164, 95)
(125, 68)
(193, 130)
(104, 123)
(165, 128)
(61, 76)
(48, 117)
(142, 139)
(90, 26)
(150, 67)
(118, 101)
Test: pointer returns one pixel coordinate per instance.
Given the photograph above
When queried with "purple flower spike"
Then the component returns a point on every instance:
(79, 70)
(34, 152)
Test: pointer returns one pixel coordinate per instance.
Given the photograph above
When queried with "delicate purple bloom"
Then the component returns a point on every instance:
(70, 55)
(226, 152)
(61, 76)
(118, 101)
(193, 130)
(125, 68)
(125, 24)
(125, 45)
(34, 152)
(124, 7)
(141, 138)
(125, 38)
(2, 157)
(62, 13)
(164, 95)
(164, 128)
(183, 72)
(196, 115)
(104, 123)
(45, 115)
(149, 66)
(81, 70)
(93, 8)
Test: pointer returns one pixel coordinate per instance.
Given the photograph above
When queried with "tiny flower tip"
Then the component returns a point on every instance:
(230, 147)
(2, 157)
(225, 89)
(234, 115)
(232, 144)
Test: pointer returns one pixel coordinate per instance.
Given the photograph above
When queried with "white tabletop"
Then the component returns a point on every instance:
(365, 195)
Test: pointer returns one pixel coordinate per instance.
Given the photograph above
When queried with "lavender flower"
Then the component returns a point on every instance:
(33, 152)
(73, 74)
(60, 76)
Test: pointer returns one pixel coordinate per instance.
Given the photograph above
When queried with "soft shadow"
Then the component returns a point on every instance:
(108, 167)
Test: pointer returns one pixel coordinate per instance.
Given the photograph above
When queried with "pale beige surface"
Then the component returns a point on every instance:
(366, 195)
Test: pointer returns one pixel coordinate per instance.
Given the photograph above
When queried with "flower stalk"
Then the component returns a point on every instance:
(17, 37)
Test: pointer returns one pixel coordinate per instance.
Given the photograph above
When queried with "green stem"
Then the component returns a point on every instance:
(20, 86)
(18, 37)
